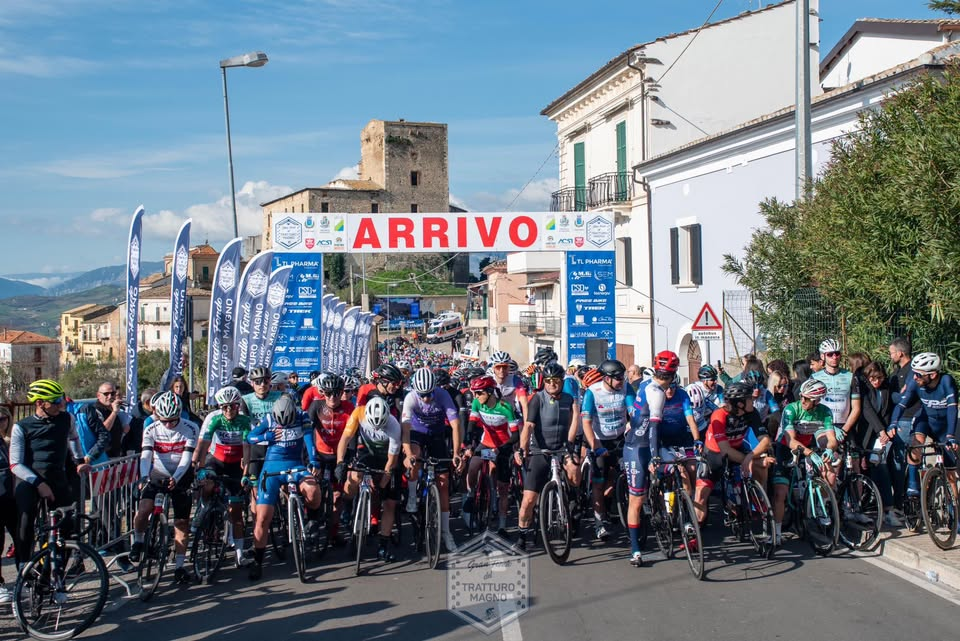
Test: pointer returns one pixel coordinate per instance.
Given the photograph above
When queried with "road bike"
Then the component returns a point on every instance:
(747, 509)
(811, 505)
(671, 510)
(211, 527)
(858, 497)
(292, 511)
(362, 511)
(556, 527)
(938, 498)
(156, 547)
(427, 522)
(483, 493)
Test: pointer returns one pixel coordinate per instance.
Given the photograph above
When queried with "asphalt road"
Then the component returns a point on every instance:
(597, 595)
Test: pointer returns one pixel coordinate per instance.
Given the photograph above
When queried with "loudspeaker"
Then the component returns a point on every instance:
(596, 350)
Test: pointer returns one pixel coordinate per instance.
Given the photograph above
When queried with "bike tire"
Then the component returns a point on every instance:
(278, 532)
(34, 578)
(212, 544)
(939, 507)
(760, 524)
(688, 516)
(298, 541)
(432, 526)
(622, 497)
(361, 525)
(481, 503)
(819, 502)
(660, 520)
(859, 495)
(555, 522)
(155, 556)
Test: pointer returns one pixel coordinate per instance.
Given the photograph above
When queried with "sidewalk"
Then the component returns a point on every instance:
(918, 552)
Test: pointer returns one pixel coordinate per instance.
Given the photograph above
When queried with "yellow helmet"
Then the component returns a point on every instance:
(45, 390)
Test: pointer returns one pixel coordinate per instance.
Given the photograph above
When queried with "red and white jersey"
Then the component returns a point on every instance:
(168, 444)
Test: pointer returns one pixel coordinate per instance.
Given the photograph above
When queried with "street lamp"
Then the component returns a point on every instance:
(252, 59)
(390, 286)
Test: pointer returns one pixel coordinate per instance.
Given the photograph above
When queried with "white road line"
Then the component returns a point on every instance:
(510, 630)
(942, 592)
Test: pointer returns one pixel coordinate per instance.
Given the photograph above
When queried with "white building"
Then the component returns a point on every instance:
(154, 321)
(705, 196)
(648, 100)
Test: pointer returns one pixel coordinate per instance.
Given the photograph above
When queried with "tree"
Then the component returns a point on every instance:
(948, 6)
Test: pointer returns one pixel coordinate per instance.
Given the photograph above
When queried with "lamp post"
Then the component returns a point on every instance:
(390, 287)
(252, 59)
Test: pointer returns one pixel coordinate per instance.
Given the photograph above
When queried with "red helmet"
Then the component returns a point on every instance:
(667, 362)
(482, 383)
(591, 376)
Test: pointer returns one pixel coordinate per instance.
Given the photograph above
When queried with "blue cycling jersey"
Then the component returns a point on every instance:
(938, 406)
(766, 404)
(288, 447)
(652, 404)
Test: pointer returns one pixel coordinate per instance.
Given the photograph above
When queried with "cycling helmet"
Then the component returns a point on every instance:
(168, 406)
(611, 367)
(829, 345)
(737, 392)
(441, 377)
(155, 398)
(666, 362)
(925, 362)
(45, 390)
(424, 381)
(707, 373)
(404, 366)
(278, 378)
(285, 410)
(553, 370)
(544, 355)
(259, 373)
(482, 383)
(754, 378)
(591, 376)
(811, 388)
(536, 381)
(389, 373)
(377, 412)
(697, 394)
(351, 383)
(227, 395)
(647, 373)
(331, 384)
(498, 358)
(353, 371)
(577, 362)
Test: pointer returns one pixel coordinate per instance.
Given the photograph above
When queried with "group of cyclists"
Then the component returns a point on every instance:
(466, 416)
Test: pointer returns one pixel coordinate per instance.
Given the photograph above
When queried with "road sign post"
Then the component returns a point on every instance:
(707, 326)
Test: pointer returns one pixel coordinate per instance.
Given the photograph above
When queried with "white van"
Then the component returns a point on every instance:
(445, 327)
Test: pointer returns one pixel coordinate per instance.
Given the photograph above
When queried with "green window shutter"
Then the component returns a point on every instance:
(579, 178)
(696, 255)
(674, 256)
(621, 182)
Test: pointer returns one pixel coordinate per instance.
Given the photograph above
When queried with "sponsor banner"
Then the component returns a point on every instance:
(331, 358)
(178, 303)
(298, 334)
(326, 325)
(133, 304)
(223, 310)
(365, 342)
(445, 232)
(360, 335)
(251, 304)
(276, 295)
(347, 337)
(591, 285)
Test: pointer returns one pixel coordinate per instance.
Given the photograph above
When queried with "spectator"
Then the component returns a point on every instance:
(239, 377)
(857, 361)
(877, 410)
(726, 379)
(801, 372)
(8, 507)
(133, 436)
(179, 387)
(900, 375)
(96, 423)
(634, 376)
(779, 386)
(816, 362)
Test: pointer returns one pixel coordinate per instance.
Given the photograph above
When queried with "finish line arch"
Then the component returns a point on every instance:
(587, 272)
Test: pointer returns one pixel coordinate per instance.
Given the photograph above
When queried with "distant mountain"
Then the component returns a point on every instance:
(41, 314)
(113, 275)
(10, 288)
(42, 279)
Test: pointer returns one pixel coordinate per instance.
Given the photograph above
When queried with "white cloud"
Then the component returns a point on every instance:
(45, 66)
(535, 197)
(456, 201)
(348, 173)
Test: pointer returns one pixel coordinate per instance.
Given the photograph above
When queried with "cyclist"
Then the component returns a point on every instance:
(707, 375)
(702, 408)
(312, 393)
(804, 424)
(351, 385)
(550, 424)
(726, 438)
(606, 415)
(512, 389)
(227, 430)
(39, 446)
(287, 435)
(426, 411)
(937, 417)
(165, 468)
(387, 384)
(377, 434)
(330, 416)
(571, 382)
(843, 390)
(257, 406)
(499, 431)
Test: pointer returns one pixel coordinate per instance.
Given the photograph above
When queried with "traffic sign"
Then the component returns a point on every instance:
(707, 325)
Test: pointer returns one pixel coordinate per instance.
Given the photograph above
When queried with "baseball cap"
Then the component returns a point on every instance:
(239, 372)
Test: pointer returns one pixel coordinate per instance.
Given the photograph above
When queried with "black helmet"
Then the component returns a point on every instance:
(738, 392)
(707, 373)
(544, 355)
(612, 367)
(285, 410)
(331, 384)
(553, 370)
(389, 373)
(441, 377)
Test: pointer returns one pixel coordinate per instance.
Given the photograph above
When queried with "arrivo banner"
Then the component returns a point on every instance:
(443, 232)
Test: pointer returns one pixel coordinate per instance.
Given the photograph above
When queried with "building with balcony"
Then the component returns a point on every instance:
(652, 98)
(85, 332)
(200, 267)
(154, 321)
(25, 357)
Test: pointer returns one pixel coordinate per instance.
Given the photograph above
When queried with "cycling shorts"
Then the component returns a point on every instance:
(392, 491)
(270, 486)
(610, 468)
(432, 444)
(181, 498)
(537, 472)
(502, 462)
(636, 460)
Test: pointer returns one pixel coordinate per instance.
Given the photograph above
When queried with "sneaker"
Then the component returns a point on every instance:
(601, 532)
(243, 560)
(135, 551)
(890, 520)
(859, 517)
(688, 529)
(6, 596)
(449, 542)
(913, 491)
(256, 571)
(411, 503)
(384, 554)
(311, 530)
(824, 521)
(636, 559)
(181, 576)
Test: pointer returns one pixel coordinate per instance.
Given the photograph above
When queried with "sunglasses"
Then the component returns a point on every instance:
(113, 393)
(553, 380)
(619, 377)
(425, 395)
(815, 401)
(482, 391)
(169, 421)
(231, 406)
(921, 374)
(260, 381)
(56, 401)
(832, 354)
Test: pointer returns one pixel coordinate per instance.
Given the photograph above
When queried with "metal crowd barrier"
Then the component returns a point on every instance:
(108, 490)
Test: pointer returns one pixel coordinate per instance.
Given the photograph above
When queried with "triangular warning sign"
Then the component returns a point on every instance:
(707, 319)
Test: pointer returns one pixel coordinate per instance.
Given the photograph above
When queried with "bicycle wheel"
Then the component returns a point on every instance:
(155, 556)
(821, 518)
(690, 533)
(61, 603)
(758, 517)
(622, 496)
(209, 545)
(431, 526)
(861, 511)
(555, 522)
(278, 531)
(481, 504)
(298, 536)
(939, 508)
(361, 524)
(660, 520)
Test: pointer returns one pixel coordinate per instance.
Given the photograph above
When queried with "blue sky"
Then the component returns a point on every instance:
(106, 104)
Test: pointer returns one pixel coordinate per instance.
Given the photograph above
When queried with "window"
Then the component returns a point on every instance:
(624, 261)
(158, 334)
(203, 333)
(324, 207)
(686, 255)
(414, 178)
(620, 192)
(206, 273)
(37, 355)
(301, 208)
(37, 373)
(579, 178)
(414, 208)
(157, 315)
(374, 208)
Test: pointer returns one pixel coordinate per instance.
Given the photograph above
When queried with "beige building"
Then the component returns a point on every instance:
(86, 332)
(26, 357)
(200, 268)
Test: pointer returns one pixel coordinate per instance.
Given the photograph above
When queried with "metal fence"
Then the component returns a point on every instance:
(739, 326)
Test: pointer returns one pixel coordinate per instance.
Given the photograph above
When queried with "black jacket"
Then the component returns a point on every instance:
(876, 410)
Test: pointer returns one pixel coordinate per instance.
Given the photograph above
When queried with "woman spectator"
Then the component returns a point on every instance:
(8, 507)
(779, 386)
(179, 387)
(801, 372)
(779, 366)
(877, 410)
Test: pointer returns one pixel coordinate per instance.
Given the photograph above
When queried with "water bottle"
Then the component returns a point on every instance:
(669, 499)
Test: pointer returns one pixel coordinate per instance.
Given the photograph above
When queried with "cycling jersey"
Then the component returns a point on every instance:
(39, 447)
(842, 387)
(287, 448)
(730, 428)
(369, 390)
(551, 420)
(258, 409)
(310, 395)
(429, 415)
(167, 451)
(329, 424)
(572, 386)
(228, 437)
(765, 404)
(497, 422)
(806, 426)
(672, 425)
(512, 390)
(378, 442)
(647, 410)
(703, 413)
(608, 409)
(938, 406)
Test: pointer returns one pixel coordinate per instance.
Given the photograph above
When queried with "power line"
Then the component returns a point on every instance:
(697, 33)
(532, 178)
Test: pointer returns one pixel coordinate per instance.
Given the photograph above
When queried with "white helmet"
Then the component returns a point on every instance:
(647, 373)
(377, 412)
(499, 357)
(404, 365)
(227, 395)
(167, 406)
(576, 362)
(829, 345)
(424, 381)
(925, 363)
(697, 393)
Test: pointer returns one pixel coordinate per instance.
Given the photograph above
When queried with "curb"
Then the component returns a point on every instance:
(912, 558)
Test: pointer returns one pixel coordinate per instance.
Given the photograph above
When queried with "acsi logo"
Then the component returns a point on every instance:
(276, 294)
(257, 283)
(135, 257)
(227, 277)
(565, 241)
(182, 259)
(325, 242)
(288, 232)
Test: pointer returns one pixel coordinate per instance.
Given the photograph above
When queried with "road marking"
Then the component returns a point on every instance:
(942, 592)
(511, 629)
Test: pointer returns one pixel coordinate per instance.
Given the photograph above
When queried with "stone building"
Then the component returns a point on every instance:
(25, 357)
